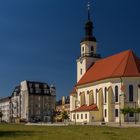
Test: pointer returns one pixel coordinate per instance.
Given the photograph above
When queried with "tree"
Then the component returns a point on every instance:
(138, 111)
(65, 115)
(1, 116)
(126, 111)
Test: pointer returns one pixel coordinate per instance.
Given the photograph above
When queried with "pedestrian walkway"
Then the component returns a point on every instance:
(110, 124)
(48, 124)
(113, 124)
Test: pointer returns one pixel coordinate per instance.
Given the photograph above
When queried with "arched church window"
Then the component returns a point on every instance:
(83, 49)
(131, 93)
(91, 98)
(116, 94)
(82, 98)
(81, 71)
(105, 95)
(96, 95)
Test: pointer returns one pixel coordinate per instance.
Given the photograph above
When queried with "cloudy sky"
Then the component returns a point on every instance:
(39, 39)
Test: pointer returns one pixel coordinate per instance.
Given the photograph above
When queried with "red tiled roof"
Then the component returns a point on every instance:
(124, 64)
(138, 64)
(87, 108)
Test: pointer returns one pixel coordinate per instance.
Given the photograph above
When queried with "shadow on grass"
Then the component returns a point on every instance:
(15, 133)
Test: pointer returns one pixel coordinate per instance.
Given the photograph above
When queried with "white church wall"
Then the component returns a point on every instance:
(81, 68)
(131, 81)
(72, 102)
(135, 81)
(85, 116)
(102, 84)
(84, 61)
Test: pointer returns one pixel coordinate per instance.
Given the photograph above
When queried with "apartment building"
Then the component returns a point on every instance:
(32, 102)
(5, 108)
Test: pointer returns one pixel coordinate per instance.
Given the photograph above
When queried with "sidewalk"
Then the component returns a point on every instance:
(47, 124)
(113, 124)
(110, 124)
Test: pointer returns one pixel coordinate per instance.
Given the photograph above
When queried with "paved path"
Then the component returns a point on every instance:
(130, 124)
(123, 125)
(48, 124)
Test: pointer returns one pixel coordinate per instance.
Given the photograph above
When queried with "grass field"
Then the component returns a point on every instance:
(22, 132)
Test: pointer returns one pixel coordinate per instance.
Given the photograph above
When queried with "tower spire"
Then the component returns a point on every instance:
(88, 45)
(88, 8)
(89, 25)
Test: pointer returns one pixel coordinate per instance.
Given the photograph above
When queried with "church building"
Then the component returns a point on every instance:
(104, 86)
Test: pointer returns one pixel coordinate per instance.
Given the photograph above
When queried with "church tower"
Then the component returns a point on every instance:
(88, 48)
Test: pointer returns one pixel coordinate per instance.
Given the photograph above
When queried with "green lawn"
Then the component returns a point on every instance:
(22, 132)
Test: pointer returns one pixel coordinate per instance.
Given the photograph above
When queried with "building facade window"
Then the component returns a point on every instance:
(81, 71)
(92, 48)
(30, 85)
(82, 98)
(37, 85)
(105, 113)
(31, 90)
(85, 116)
(73, 116)
(81, 116)
(116, 94)
(96, 95)
(77, 116)
(37, 90)
(83, 49)
(105, 95)
(131, 114)
(116, 112)
(131, 93)
(45, 85)
(91, 98)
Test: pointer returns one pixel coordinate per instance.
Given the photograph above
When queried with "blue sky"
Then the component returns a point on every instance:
(39, 39)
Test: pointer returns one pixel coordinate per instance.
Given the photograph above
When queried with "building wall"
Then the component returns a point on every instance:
(78, 119)
(72, 102)
(83, 63)
(5, 108)
(110, 105)
(136, 102)
(87, 46)
(15, 107)
(24, 100)
(23, 105)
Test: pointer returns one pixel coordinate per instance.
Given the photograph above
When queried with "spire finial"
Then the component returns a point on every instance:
(88, 8)
(89, 25)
